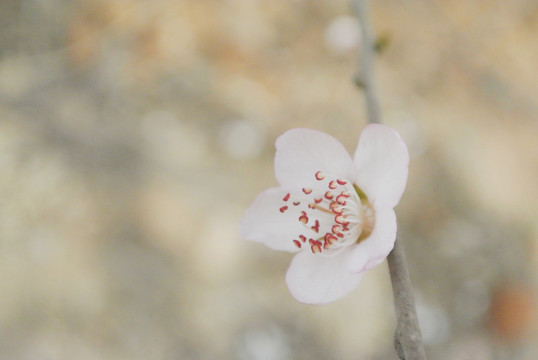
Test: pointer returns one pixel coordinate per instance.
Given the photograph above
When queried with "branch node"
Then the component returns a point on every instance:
(382, 43)
(359, 81)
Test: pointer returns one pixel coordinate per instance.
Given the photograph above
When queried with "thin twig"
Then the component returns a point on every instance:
(365, 77)
(407, 338)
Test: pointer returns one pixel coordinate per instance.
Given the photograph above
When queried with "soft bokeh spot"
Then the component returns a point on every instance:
(242, 139)
(343, 34)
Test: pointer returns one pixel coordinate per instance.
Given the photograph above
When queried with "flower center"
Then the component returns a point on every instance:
(367, 214)
(334, 214)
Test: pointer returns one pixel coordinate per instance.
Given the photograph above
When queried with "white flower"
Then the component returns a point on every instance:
(334, 211)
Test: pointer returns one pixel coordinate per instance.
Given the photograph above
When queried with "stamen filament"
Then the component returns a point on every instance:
(316, 206)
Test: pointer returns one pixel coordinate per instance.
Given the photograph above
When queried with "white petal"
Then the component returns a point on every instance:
(300, 153)
(264, 223)
(316, 279)
(382, 162)
(374, 249)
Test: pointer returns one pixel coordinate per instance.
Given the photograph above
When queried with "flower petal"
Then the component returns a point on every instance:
(315, 279)
(382, 162)
(263, 221)
(374, 249)
(300, 153)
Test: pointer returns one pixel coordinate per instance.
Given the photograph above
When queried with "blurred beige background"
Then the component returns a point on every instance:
(134, 133)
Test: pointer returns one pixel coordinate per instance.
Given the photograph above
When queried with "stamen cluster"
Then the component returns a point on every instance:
(329, 210)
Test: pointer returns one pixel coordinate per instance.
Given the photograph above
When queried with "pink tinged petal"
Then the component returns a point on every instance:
(315, 279)
(374, 249)
(304, 156)
(270, 222)
(382, 162)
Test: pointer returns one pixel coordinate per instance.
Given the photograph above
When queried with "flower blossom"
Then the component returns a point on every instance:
(334, 211)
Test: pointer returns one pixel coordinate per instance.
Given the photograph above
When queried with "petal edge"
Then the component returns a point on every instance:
(300, 153)
(382, 162)
(314, 279)
(263, 222)
(374, 249)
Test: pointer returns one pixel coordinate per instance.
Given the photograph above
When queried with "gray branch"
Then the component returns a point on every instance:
(365, 77)
(407, 338)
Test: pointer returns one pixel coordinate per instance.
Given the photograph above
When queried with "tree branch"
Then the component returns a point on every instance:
(365, 77)
(407, 338)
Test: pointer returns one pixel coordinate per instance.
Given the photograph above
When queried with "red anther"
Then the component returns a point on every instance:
(302, 237)
(297, 243)
(315, 246)
(337, 229)
(330, 238)
(303, 218)
(295, 203)
(316, 249)
(318, 200)
(287, 197)
(341, 199)
(320, 176)
(332, 185)
(336, 208)
(329, 195)
(341, 182)
(307, 191)
(316, 226)
(340, 219)
(283, 208)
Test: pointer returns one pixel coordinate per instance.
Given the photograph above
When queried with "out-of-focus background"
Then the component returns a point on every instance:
(134, 133)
